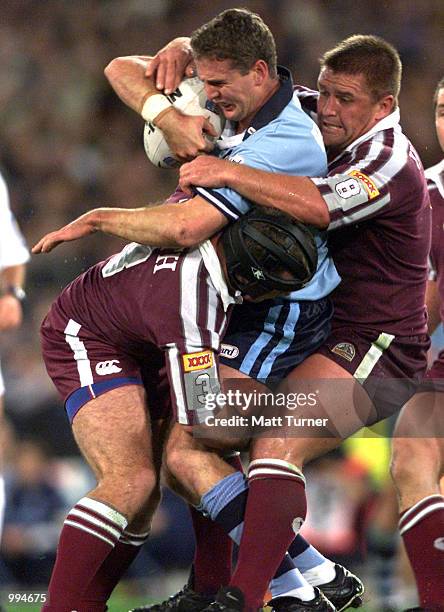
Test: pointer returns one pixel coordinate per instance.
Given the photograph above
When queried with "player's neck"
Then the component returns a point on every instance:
(270, 88)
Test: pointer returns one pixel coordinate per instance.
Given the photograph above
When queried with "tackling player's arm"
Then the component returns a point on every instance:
(296, 195)
(175, 225)
(184, 134)
(169, 66)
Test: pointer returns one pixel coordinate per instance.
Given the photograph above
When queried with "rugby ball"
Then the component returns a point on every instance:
(190, 98)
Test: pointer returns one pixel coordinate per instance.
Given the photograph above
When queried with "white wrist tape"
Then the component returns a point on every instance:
(153, 106)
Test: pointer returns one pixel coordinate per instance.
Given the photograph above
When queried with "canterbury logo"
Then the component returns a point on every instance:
(197, 361)
(108, 367)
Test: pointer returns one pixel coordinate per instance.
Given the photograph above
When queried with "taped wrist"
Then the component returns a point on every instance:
(154, 106)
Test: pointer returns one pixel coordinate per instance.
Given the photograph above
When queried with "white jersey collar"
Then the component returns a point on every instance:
(436, 174)
(212, 264)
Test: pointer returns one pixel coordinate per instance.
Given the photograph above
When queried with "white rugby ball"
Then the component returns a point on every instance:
(190, 98)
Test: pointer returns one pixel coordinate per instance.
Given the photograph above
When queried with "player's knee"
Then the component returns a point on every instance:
(146, 482)
(412, 460)
(176, 461)
(137, 489)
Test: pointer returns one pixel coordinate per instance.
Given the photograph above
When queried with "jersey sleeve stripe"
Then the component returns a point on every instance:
(375, 160)
(380, 152)
(339, 218)
(176, 382)
(217, 200)
(190, 300)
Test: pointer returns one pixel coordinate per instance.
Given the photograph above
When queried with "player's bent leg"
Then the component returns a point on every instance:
(276, 483)
(417, 455)
(132, 539)
(417, 466)
(275, 472)
(194, 468)
(113, 433)
(212, 559)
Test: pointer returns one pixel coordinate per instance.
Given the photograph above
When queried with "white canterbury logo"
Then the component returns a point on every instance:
(439, 543)
(108, 367)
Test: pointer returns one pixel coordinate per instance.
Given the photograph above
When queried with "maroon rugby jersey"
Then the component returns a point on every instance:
(158, 296)
(380, 226)
(435, 181)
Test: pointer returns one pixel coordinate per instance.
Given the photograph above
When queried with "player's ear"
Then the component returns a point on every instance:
(260, 71)
(385, 106)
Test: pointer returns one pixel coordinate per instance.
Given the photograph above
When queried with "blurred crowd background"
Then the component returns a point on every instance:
(68, 144)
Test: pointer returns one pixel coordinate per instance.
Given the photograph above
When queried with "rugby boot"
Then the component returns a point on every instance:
(186, 600)
(293, 604)
(228, 599)
(344, 591)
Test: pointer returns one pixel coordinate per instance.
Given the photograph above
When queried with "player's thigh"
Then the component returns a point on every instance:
(113, 432)
(338, 402)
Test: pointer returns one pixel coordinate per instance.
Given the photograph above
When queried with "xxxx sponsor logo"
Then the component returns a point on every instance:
(369, 185)
(198, 361)
(345, 350)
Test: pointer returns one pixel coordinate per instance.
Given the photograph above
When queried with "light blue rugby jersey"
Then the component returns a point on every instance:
(282, 139)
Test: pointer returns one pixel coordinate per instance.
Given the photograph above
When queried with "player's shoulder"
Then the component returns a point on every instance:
(390, 153)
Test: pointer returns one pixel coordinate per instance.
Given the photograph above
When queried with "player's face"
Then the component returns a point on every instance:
(232, 91)
(346, 108)
(439, 117)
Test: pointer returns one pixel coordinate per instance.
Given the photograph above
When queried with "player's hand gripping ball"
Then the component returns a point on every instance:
(190, 98)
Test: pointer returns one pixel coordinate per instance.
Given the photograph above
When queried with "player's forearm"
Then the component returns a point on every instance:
(296, 195)
(126, 76)
(160, 226)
